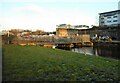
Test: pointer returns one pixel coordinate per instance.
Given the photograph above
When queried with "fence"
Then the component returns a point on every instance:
(57, 40)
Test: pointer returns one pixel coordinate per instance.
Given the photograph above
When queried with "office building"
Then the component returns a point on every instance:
(109, 19)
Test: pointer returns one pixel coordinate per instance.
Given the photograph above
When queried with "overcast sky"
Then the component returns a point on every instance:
(46, 14)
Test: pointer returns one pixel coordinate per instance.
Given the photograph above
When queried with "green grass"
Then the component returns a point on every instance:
(33, 63)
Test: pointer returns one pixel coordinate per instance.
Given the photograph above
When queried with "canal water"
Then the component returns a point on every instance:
(104, 51)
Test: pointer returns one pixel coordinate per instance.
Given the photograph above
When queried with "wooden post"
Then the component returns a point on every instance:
(8, 37)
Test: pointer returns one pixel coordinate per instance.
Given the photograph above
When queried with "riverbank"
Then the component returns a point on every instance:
(34, 63)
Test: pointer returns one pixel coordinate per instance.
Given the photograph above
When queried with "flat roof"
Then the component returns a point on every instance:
(110, 12)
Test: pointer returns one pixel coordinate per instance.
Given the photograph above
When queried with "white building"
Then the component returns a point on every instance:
(109, 19)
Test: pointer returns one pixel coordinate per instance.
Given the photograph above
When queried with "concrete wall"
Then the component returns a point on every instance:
(119, 18)
(61, 32)
(65, 32)
(72, 32)
(85, 38)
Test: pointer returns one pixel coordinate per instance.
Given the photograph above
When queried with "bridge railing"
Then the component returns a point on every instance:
(55, 39)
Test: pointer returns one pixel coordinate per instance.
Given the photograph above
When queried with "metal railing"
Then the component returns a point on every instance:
(57, 40)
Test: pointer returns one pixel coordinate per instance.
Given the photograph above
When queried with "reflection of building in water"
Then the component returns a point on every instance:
(112, 52)
(96, 52)
(85, 50)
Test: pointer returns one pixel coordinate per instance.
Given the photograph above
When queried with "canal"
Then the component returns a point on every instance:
(104, 51)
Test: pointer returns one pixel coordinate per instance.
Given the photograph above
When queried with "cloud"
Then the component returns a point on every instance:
(47, 20)
(37, 17)
(29, 17)
(29, 8)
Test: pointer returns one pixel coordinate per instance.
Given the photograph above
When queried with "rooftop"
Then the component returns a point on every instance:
(109, 12)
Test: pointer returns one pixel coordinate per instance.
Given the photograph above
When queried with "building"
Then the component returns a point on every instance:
(66, 32)
(73, 26)
(61, 32)
(64, 26)
(109, 19)
(81, 27)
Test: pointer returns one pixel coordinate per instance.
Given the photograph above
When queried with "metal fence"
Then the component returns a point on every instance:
(55, 39)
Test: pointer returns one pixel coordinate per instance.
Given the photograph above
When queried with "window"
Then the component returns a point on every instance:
(114, 16)
(114, 20)
(108, 21)
(102, 22)
(109, 17)
(102, 18)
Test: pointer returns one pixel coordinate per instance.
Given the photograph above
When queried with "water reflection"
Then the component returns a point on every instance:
(112, 52)
(85, 50)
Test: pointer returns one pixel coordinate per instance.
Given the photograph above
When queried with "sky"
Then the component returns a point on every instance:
(46, 14)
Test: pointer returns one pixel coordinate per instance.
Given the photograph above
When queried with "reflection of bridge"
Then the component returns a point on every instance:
(107, 43)
(81, 40)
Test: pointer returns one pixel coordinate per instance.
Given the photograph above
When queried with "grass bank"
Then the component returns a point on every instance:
(33, 63)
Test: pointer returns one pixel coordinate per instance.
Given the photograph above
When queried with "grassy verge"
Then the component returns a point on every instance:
(32, 63)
